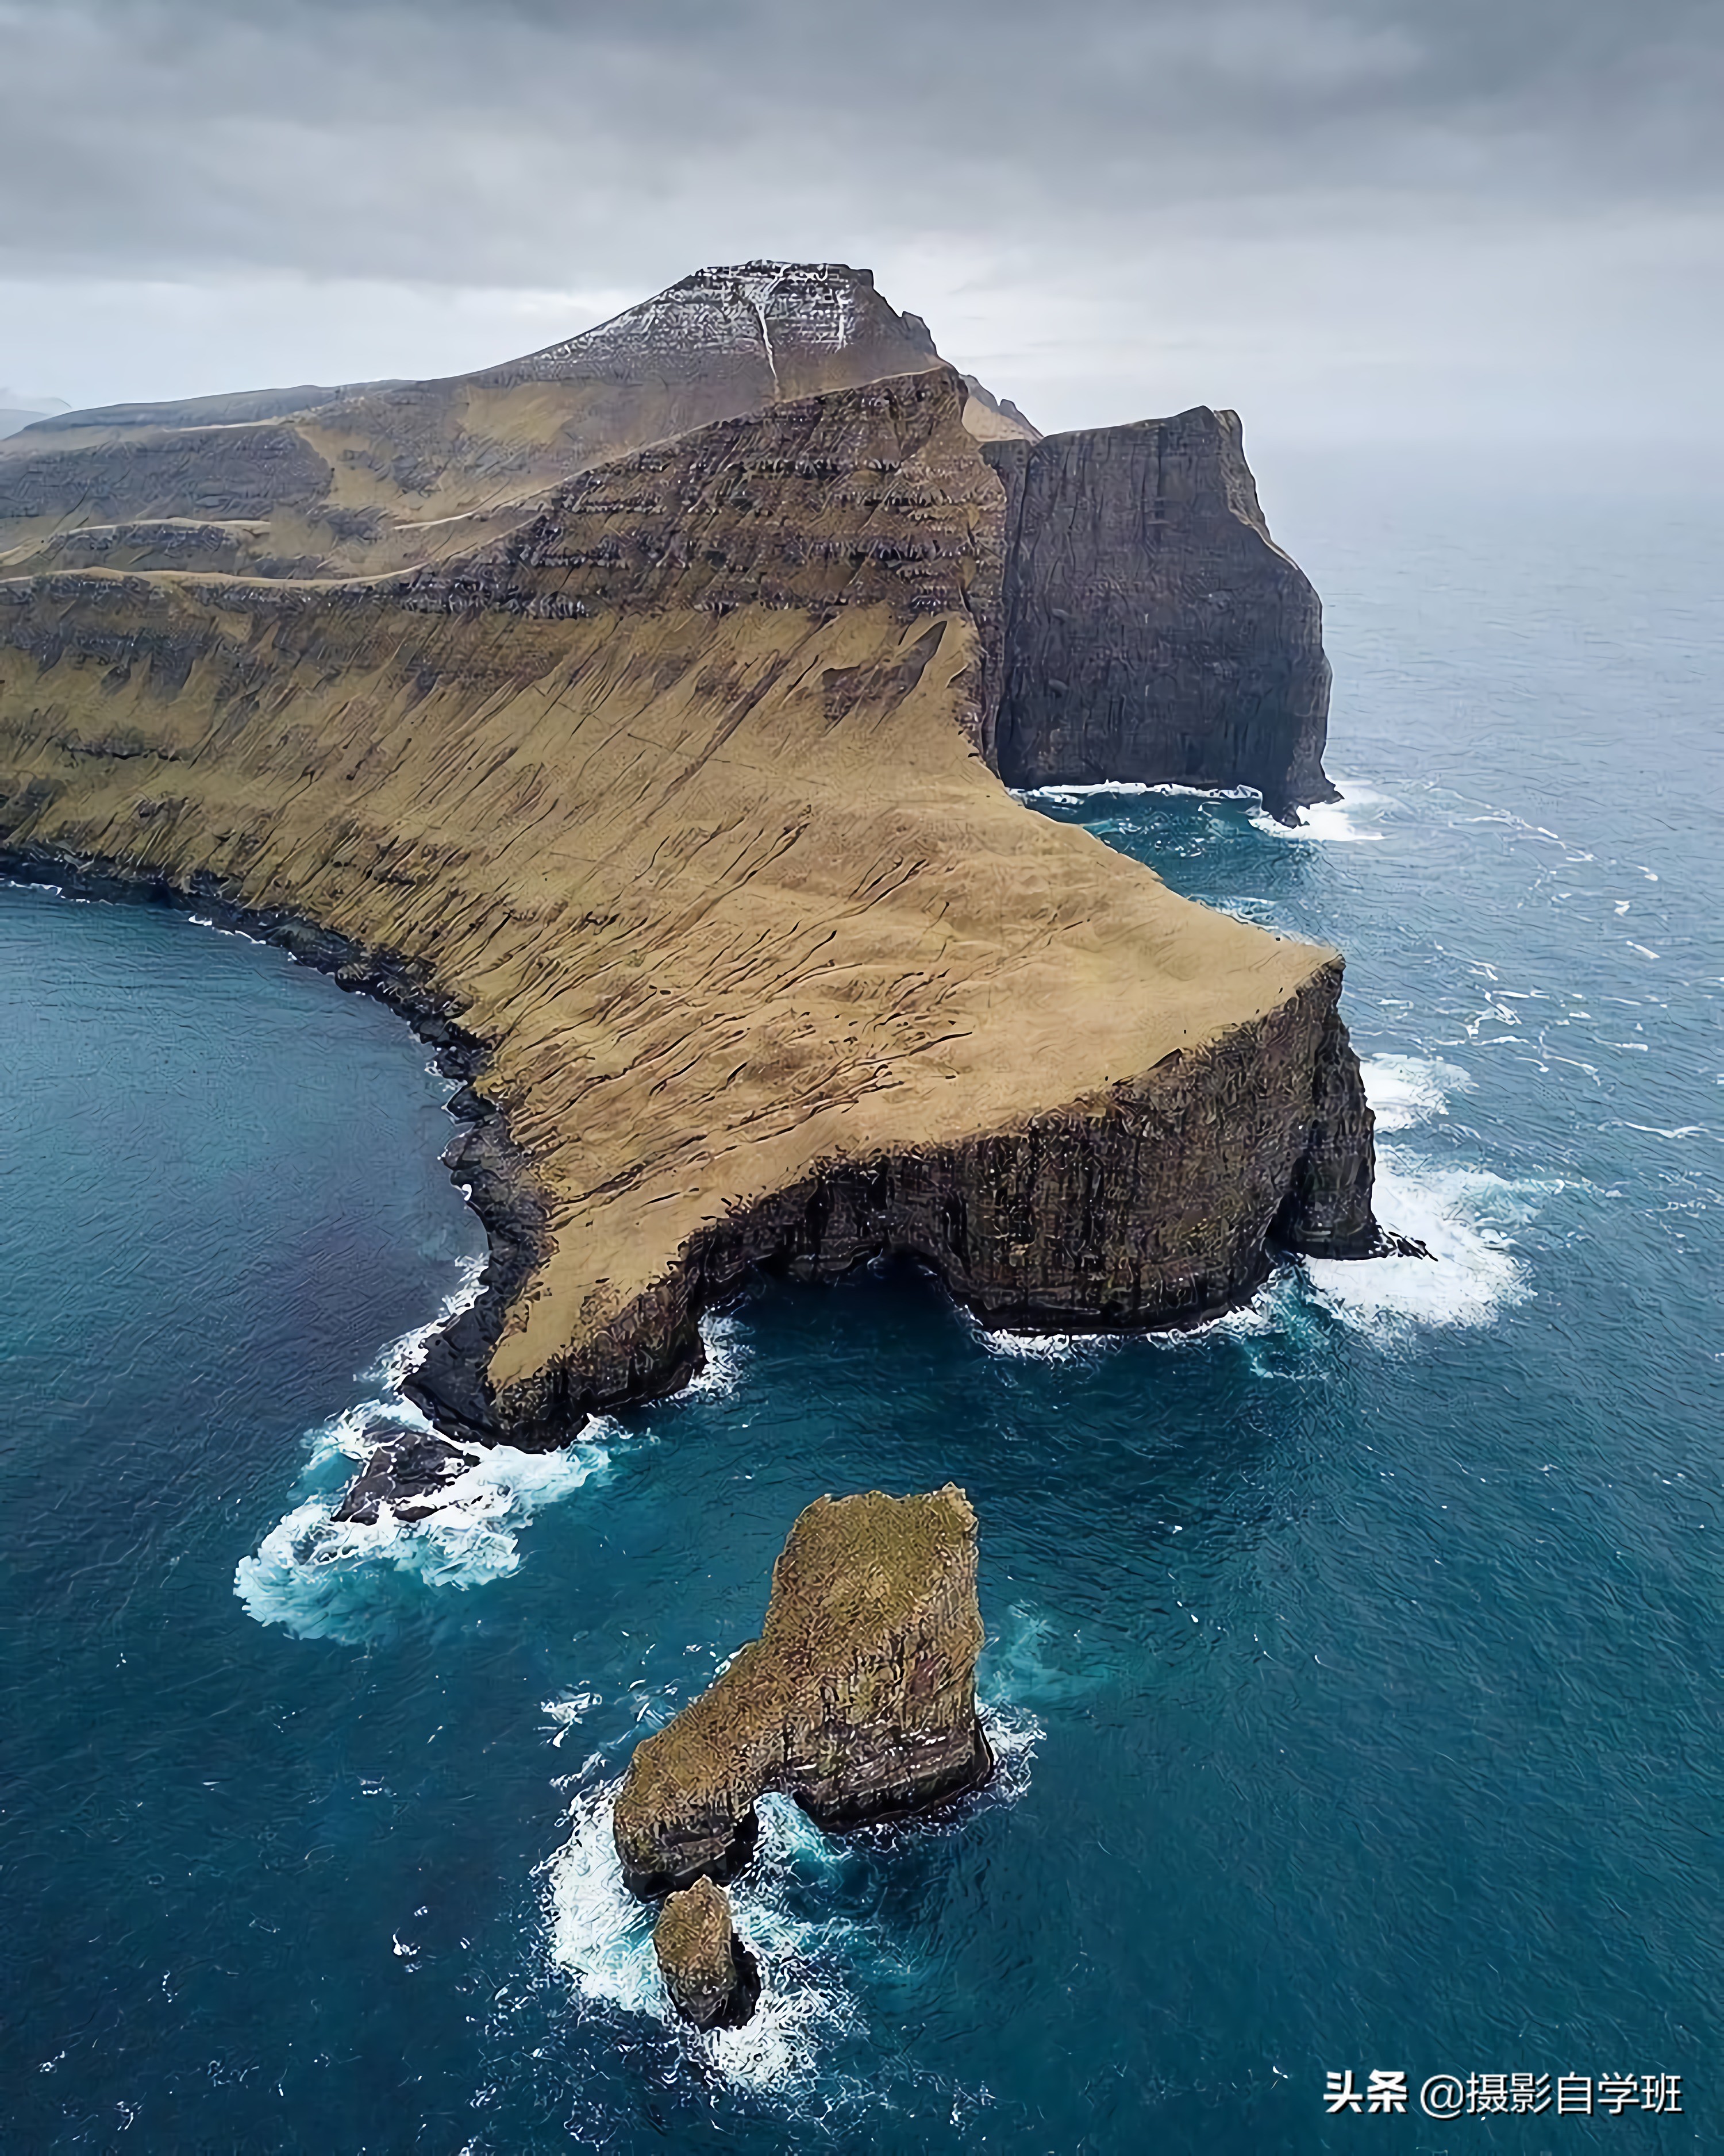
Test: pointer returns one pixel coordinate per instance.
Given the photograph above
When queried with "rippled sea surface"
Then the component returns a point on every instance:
(1354, 1663)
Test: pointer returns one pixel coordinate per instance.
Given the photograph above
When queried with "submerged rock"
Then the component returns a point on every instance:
(403, 1473)
(858, 1700)
(713, 1979)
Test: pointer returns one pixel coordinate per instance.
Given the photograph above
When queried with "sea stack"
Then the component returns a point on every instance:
(713, 1979)
(1152, 631)
(858, 1700)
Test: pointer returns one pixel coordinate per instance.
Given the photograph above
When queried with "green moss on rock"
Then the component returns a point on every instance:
(711, 1977)
(858, 1700)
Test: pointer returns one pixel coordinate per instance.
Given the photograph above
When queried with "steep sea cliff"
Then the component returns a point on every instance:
(1153, 632)
(1201, 660)
(665, 815)
(1349, 1659)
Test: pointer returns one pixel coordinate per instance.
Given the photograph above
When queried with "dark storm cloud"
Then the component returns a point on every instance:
(535, 141)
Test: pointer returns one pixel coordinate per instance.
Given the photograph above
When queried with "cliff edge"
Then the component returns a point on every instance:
(308, 483)
(667, 814)
(1152, 631)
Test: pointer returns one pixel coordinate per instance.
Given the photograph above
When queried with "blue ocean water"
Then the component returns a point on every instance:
(1354, 1662)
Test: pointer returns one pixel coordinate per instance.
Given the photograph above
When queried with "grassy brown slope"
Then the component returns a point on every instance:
(384, 478)
(674, 800)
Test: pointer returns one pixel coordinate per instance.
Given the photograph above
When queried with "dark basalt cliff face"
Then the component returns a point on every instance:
(1152, 631)
(1152, 628)
(1326, 1213)
(1171, 1189)
(858, 1699)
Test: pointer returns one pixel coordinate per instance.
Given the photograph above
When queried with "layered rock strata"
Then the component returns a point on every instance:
(1152, 631)
(301, 483)
(858, 1699)
(713, 1979)
(665, 819)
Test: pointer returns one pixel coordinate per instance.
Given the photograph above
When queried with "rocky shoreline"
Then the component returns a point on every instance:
(667, 824)
(1195, 1128)
(483, 1158)
(820, 1231)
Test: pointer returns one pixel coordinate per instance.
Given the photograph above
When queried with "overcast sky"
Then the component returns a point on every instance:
(1349, 219)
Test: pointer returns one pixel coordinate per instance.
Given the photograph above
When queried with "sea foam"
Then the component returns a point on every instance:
(342, 1580)
(1039, 1346)
(1405, 1090)
(599, 1937)
(1070, 796)
(1350, 820)
(1466, 1218)
(323, 1578)
(727, 1357)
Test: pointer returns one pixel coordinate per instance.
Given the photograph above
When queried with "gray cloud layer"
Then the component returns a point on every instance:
(512, 142)
(554, 145)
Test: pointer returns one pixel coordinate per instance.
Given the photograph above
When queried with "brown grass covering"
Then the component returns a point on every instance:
(712, 1980)
(412, 471)
(720, 879)
(859, 1695)
(694, 1928)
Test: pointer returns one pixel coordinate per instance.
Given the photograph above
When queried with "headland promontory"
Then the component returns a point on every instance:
(659, 794)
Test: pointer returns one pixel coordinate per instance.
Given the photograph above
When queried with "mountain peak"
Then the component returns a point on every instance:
(794, 328)
(324, 482)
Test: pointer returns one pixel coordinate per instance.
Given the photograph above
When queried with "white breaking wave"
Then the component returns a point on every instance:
(1069, 795)
(1352, 819)
(244, 935)
(323, 1578)
(1261, 1314)
(397, 1361)
(1405, 1090)
(1041, 1347)
(1348, 821)
(600, 1936)
(339, 1579)
(727, 1354)
(1465, 1217)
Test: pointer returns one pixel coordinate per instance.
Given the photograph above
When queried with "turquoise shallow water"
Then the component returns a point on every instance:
(1355, 1662)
